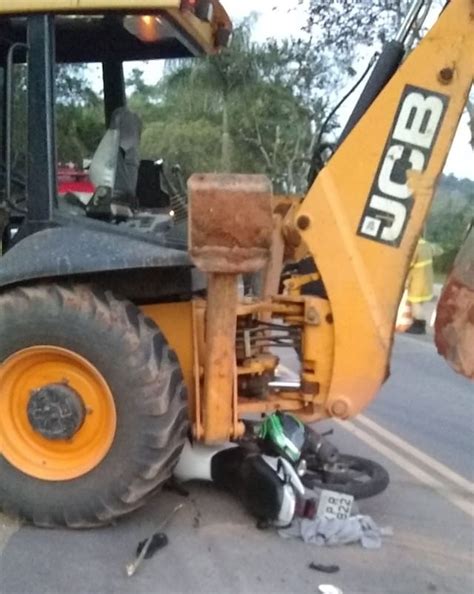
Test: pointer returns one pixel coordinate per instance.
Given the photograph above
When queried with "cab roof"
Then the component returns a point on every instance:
(94, 30)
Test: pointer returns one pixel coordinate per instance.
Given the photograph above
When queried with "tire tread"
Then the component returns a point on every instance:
(162, 407)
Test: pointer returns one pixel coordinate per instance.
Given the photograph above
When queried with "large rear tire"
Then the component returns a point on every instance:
(106, 352)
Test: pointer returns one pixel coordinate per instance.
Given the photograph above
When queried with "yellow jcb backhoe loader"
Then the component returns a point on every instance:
(96, 300)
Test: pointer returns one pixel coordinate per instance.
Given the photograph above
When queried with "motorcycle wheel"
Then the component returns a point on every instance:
(351, 475)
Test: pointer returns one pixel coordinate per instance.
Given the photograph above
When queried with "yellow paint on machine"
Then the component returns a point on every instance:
(200, 31)
(176, 322)
(364, 276)
(18, 6)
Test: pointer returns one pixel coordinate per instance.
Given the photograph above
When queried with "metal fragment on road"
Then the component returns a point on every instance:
(323, 568)
(329, 589)
(131, 568)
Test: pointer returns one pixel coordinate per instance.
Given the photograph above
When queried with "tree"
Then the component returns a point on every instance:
(452, 212)
(79, 114)
(242, 110)
(344, 26)
(220, 80)
(79, 118)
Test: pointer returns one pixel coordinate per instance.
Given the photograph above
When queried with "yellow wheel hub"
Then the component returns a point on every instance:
(34, 371)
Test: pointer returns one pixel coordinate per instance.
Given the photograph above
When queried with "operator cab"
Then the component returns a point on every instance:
(136, 196)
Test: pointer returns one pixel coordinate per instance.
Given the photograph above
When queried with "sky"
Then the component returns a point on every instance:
(278, 18)
(284, 18)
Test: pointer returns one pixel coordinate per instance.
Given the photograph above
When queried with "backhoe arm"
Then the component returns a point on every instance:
(365, 212)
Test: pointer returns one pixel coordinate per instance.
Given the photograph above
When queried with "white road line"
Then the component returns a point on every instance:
(438, 467)
(457, 500)
(422, 476)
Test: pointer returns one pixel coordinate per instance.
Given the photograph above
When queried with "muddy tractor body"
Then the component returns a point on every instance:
(124, 329)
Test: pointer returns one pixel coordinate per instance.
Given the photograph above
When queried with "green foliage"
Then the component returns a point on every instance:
(342, 27)
(79, 115)
(452, 212)
(79, 130)
(194, 143)
(252, 108)
(240, 111)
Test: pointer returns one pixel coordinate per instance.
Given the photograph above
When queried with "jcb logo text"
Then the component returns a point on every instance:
(409, 147)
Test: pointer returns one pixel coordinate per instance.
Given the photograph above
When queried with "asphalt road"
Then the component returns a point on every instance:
(421, 428)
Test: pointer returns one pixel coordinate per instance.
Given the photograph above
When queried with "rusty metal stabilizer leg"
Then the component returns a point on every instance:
(230, 234)
(219, 367)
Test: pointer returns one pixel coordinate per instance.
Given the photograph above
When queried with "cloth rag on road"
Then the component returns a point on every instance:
(332, 532)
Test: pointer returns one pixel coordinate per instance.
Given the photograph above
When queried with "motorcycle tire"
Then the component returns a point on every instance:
(358, 476)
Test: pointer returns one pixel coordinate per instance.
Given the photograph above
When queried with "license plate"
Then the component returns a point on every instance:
(334, 505)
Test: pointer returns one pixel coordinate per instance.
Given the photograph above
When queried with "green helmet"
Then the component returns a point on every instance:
(285, 433)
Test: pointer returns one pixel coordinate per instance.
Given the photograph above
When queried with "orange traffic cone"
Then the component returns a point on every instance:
(404, 315)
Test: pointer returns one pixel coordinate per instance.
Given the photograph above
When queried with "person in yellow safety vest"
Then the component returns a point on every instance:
(420, 285)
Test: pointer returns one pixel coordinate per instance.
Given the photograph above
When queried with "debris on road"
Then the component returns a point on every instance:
(323, 568)
(148, 547)
(158, 541)
(332, 532)
(329, 589)
(175, 486)
(197, 515)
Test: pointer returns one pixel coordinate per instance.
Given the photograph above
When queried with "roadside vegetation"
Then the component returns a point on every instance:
(257, 107)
